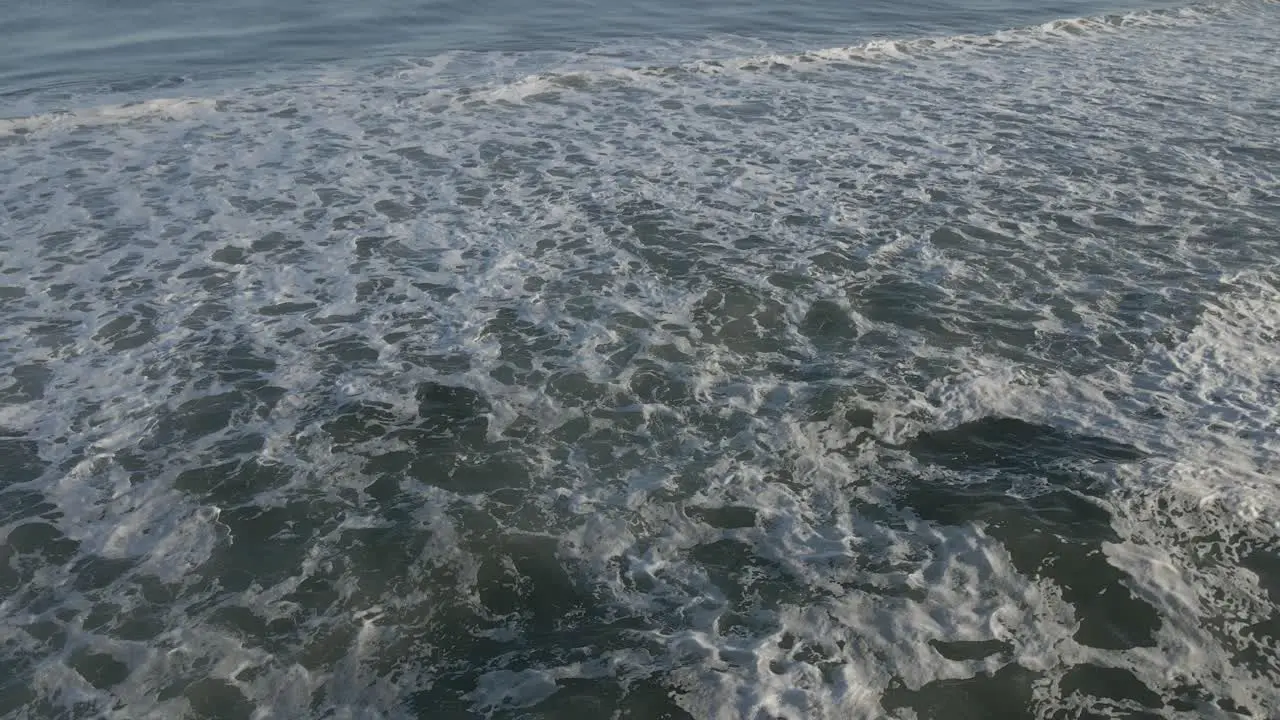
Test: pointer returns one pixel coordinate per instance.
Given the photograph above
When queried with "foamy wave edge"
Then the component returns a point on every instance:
(879, 51)
(159, 108)
(1064, 29)
(871, 52)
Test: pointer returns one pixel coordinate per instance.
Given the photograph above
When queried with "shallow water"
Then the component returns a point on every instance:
(711, 378)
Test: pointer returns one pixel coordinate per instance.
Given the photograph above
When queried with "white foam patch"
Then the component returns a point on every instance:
(365, 393)
(157, 109)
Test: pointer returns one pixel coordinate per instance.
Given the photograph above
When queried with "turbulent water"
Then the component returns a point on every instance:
(930, 378)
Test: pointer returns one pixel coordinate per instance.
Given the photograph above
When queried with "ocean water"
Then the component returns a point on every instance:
(714, 361)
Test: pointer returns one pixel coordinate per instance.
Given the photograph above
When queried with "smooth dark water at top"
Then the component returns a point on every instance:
(95, 42)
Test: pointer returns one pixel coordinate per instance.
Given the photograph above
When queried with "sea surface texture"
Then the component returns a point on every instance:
(806, 361)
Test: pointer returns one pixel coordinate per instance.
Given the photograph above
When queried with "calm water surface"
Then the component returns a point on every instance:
(74, 42)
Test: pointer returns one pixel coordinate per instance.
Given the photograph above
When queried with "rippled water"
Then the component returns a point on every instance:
(134, 44)
(930, 378)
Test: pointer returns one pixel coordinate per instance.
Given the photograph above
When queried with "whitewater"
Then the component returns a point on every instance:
(927, 376)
